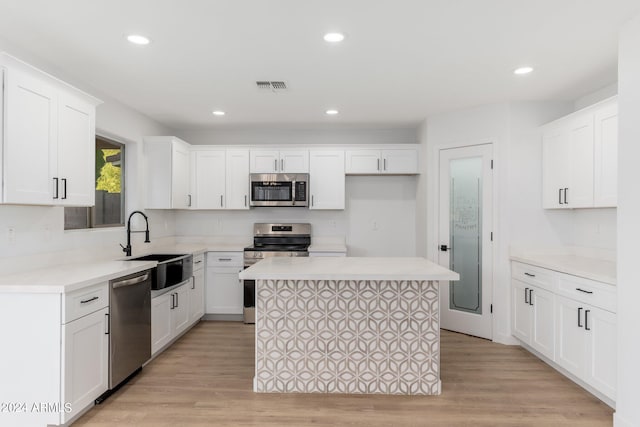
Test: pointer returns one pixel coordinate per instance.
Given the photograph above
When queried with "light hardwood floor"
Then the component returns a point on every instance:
(205, 379)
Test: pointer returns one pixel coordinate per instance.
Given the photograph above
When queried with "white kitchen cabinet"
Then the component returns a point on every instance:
(606, 156)
(196, 292)
(388, 161)
(48, 126)
(86, 361)
(220, 178)
(327, 179)
(533, 317)
(237, 179)
(587, 344)
(170, 316)
(168, 172)
(208, 179)
(55, 350)
(570, 321)
(579, 155)
(279, 161)
(224, 289)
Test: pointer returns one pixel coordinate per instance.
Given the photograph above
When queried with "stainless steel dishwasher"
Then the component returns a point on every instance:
(129, 325)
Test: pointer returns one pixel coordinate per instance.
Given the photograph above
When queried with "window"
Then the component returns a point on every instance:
(109, 208)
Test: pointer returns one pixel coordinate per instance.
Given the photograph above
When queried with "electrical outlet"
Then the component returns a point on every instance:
(11, 234)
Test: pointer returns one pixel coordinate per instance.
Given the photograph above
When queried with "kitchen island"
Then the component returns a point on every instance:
(347, 325)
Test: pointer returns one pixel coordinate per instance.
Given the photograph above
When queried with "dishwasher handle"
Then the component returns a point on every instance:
(130, 282)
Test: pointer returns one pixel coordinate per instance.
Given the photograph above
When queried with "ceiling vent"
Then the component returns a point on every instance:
(274, 86)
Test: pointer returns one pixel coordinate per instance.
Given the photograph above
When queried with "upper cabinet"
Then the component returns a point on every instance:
(579, 158)
(168, 172)
(373, 162)
(48, 143)
(279, 161)
(327, 185)
(220, 178)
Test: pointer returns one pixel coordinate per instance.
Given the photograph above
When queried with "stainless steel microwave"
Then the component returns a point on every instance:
(279, 189)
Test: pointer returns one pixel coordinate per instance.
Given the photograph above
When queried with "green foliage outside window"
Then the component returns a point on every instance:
(109, 175)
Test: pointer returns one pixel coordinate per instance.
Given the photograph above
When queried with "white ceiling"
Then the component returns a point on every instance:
(401, 61)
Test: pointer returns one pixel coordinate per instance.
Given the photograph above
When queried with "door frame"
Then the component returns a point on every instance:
(433, 212)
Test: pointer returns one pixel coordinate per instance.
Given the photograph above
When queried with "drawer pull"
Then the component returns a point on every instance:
(579, 317)
(586, 320)
(529, 274)
(582, 290)
(526, 294)
(224, 259)
(88, 300)
(107, 324)
(198, 262)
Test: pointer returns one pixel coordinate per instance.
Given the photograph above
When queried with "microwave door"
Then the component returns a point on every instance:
(293, 194)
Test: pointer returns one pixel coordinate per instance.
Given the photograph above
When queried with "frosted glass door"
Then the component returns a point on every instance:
(465, 234)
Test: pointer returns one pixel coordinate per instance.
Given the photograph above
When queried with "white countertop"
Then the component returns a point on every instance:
(590, 268)
(70, 277)
(347, 268)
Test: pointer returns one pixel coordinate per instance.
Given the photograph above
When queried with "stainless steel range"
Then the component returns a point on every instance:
(271, 240)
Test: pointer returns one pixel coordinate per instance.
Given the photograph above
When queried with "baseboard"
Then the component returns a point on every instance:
(619, 421)
(224, 317)
(505, 339)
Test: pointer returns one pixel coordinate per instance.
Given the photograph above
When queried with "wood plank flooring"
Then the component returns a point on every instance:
(205, 379)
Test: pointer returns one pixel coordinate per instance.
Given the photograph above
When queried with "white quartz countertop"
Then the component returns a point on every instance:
(590, 268)
(70, 277)
(347, 268)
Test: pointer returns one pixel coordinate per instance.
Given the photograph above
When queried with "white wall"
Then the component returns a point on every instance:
(40, 230)
(272, 136)
(627, 408)
(596, 96)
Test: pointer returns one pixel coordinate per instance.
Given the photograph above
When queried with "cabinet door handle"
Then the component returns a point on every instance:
(526, 293)
(106, 324)
(559, 196)
(173, 304)
(177, 300)
(586, 320)
(64, 188)
(193, 282)
(384, 163)
(189, 200)
(282, 165)
(530, 296)
(275, 165)
(245, 200)
(529, 274)
(88, 300)
(584, 291)
(378, 167)
(566, 190)
(221, 200)
(224, 259)
(312, 203)
(55, 188)
(579, 317)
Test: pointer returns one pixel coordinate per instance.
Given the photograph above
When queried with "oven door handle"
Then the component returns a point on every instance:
(293, 193)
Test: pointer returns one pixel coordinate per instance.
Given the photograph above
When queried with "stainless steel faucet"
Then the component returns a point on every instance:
(127, 249)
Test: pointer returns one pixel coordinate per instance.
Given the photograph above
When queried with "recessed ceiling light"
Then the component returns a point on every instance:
(138, 39)
(218, 113)
(333, 37)
(331, 112)
(523, 70)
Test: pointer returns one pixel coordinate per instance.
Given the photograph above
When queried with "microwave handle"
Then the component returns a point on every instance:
(293, 193)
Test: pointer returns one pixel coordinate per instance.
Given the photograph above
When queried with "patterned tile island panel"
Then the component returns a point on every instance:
(334, 336)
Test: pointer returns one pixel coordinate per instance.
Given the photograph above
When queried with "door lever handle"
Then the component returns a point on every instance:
(445, 248)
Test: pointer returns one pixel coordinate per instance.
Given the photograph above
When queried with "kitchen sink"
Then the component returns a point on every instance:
(171, 269)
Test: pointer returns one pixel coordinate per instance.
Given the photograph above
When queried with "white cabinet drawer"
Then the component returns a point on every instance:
(588, 291)
(225, 259)
(198, 262)
(84, 301)
(537, 276)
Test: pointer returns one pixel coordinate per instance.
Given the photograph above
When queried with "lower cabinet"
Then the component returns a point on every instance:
(533, 317)
(568, 320)
(224, 289)
(86, 361)
(196, 296)
(169, 316)
(586, 344)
